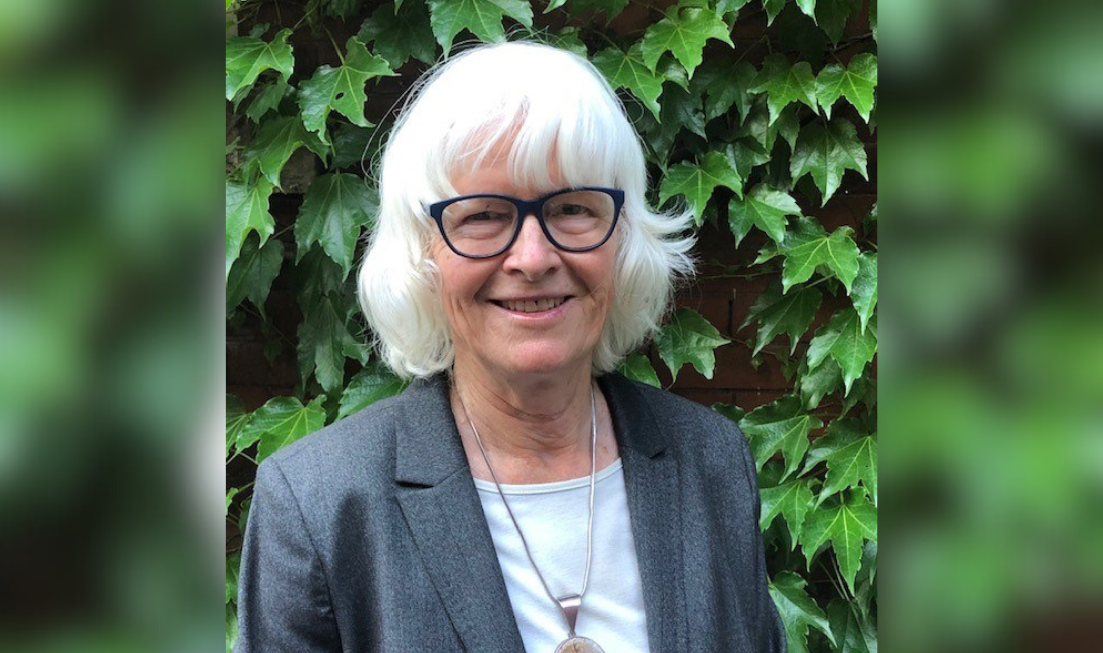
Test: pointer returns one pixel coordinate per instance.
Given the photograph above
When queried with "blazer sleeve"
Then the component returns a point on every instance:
(283, 597)
(771, 634)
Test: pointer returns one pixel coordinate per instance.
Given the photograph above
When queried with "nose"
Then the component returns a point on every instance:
(532, 254)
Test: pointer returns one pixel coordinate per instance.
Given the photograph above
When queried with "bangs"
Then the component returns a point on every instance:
(566, 123)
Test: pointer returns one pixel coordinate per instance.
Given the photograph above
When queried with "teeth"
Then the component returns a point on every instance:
(533, 306)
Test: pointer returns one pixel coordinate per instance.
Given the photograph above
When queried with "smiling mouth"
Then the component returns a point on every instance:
(531, 305)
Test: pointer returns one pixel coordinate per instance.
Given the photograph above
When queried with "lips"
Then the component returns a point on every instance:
(531, 305)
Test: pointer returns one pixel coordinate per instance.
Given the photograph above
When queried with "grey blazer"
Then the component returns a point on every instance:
(369, 535)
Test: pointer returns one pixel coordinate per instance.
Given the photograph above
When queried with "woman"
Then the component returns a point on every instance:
(519, 496)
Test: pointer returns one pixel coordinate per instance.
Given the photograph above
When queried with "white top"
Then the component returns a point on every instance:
(553, 518)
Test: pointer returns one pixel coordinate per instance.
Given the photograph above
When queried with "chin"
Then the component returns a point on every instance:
(544, 361)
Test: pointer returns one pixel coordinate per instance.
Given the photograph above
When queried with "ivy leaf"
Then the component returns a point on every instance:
(856, 83)
(627, 70)
(341, 89)
(791, 500)
(847, 525)
(820, 382)
(233, 571)
(762, 207)
(323, 338)
(231, 624)
(779, 313)
(684, 34)
(696, 182)
(246, 210)
(809, 247)
(745, 154)
(284, 420)
(851, 457)
(342, 8)
(483, 18)
(734, 413)
(843, 339)
(637, 367)
(729, 6)
(773, 8)
(400, 33)
(276, 141)
(723, 86)
(267, 98)
(248, 57)
(831, 16)
(852, 634)
(797, 610)
(827, 153)
(334, 210)
(808, 7)
(253, 272)
(236, 421)
(785, 84)
(230, 494)
(782, 425)
(689, 338)
(370, 384)
(864, 292)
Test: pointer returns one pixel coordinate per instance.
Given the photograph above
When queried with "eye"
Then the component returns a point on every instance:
(486, 217)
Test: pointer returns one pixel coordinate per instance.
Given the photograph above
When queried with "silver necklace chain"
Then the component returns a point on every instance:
(590, 521)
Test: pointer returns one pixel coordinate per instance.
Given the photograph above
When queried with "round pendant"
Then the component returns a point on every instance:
(578, 645)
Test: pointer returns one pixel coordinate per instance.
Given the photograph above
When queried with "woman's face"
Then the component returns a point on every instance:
(532, 309)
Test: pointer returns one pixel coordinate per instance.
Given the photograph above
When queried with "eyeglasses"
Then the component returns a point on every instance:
(485, 225)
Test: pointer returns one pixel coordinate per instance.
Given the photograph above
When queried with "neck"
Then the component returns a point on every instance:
(535, 430)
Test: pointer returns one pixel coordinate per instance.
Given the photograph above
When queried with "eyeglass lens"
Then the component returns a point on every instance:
(479, 226)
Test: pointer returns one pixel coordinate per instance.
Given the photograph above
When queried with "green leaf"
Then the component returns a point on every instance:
(247, 58)
(762, 207)
(856, 83)
(808, 7)
(682, 110)
(779, 313)
(253, 272)
(276, 141)
(611, 8)
(353, 145)
(831, 16)
(231, 628)
(851, 457)
(782, 425)
(637, 367)
(370, 384)
(689, 338)
(483, 18)
(852, 633)
(401, 33)
(843, 339)
(342, 8)
(797, 610)
(745, 154)
(233, 571)
(627, 70)
(785, 84)
(323, 337)
(267, 99)
(341, 89)
(246, 210)
(684, 34)
(284, 420)
(864, 292)
(729, 6)
(808, 246)
(723, 85)
(734, 413)
(696, 182)
(773, 8)
(236, 420)
(334, 210)
(827, 153)
(791, 500)
(847, 525)
(820, 382)
(230, 494)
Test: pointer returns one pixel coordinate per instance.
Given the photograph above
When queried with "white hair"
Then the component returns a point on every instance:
(546, 105)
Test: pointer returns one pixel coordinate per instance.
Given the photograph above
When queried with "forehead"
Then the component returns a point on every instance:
(503, 167)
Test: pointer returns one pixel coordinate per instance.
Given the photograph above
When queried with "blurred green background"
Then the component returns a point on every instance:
(991, 325)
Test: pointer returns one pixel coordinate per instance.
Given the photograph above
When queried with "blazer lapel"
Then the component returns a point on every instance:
(651, 481)
(442, 509)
